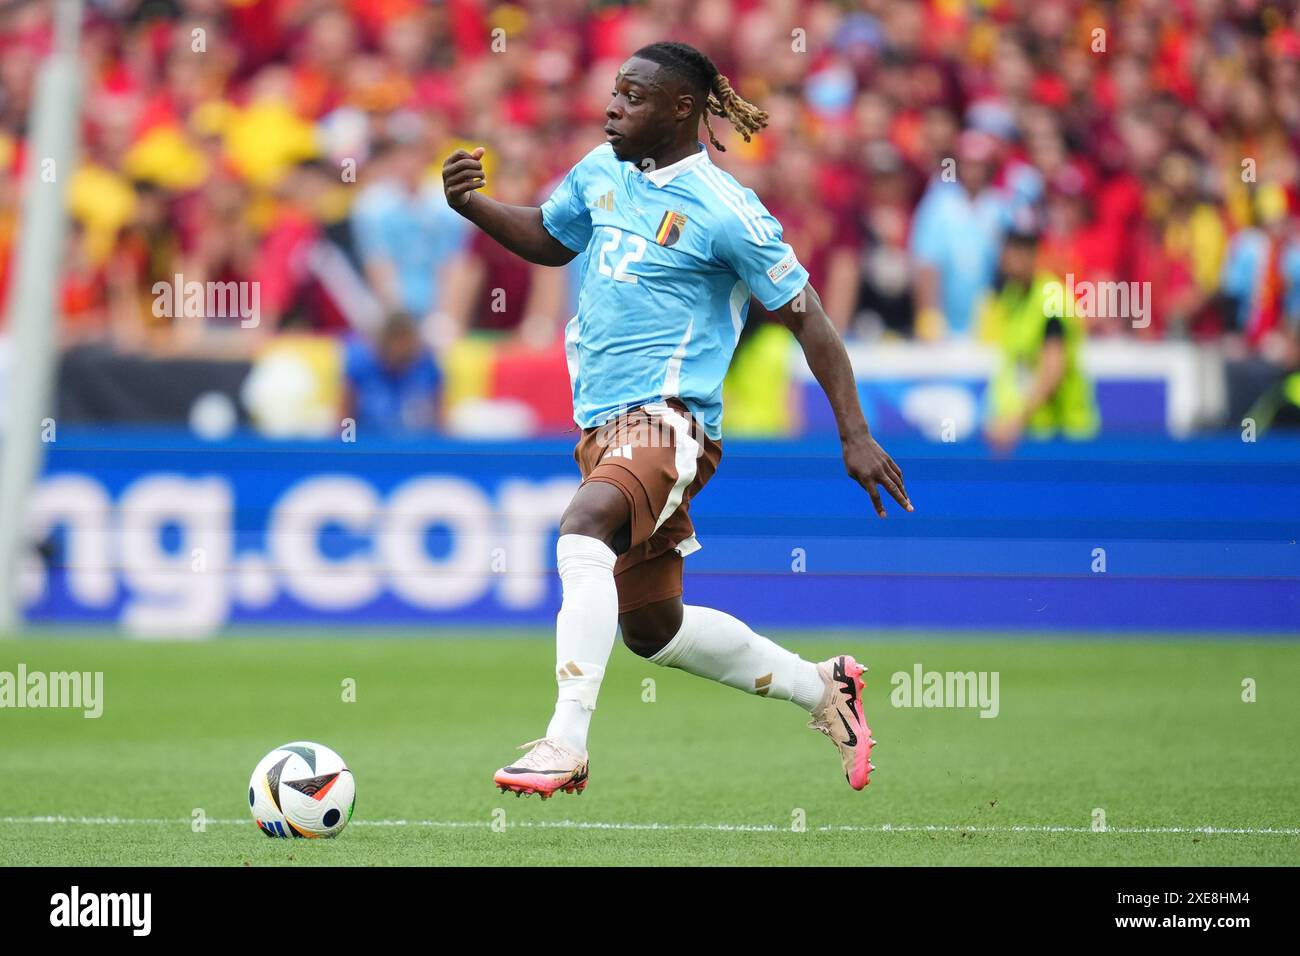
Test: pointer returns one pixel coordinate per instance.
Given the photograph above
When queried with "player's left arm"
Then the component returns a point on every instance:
(756, 252)
(866, 462)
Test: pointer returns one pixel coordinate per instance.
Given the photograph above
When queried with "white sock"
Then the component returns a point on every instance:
(584, 633)
(717, 646)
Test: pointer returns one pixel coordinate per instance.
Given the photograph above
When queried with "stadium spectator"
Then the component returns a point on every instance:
(406, 235)
(1158, 143)
(1040, 387)
(391, 382)
(1261, 276)
(956, 236)
(885, 271)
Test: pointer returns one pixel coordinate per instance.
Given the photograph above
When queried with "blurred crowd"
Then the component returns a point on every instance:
(296, 145)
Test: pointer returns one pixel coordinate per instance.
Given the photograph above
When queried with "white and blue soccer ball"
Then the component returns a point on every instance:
(302, 789)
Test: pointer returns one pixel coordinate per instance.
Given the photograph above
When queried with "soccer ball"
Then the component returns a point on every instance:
(302, 790)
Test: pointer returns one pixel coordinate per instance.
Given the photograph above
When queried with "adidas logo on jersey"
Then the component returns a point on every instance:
(606, 202)
(622, 451)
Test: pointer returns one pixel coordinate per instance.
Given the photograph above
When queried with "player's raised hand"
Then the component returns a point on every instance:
(462, 174)
(869, 466)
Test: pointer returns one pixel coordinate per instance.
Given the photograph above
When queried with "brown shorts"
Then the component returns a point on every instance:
(659, 457)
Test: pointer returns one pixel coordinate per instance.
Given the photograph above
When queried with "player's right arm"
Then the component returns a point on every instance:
(519, 228)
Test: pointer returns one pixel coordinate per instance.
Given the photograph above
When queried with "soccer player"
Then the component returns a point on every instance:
(675, 248)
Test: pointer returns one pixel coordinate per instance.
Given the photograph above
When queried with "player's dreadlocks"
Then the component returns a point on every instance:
(688, 63)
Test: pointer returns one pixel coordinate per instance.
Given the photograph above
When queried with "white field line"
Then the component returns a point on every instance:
(710, 827)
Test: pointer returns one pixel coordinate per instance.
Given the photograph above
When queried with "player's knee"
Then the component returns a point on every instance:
(645, 642)
(649, 630)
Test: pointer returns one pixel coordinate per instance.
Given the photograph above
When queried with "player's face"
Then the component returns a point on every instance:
(641, 117)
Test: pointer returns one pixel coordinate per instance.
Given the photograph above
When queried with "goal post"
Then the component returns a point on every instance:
(33, 307)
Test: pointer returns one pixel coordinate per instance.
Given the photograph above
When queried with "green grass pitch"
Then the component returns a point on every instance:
(1153, 733)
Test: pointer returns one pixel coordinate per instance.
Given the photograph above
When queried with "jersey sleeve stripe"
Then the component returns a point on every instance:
(739, 194)
(727, 192)
(730, 203)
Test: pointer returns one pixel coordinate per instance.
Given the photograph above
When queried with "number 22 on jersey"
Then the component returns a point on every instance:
(636, 249)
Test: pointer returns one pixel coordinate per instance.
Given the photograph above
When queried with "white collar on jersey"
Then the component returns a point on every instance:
(662, 177)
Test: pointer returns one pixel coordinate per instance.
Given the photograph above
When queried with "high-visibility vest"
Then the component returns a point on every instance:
(1014, 321)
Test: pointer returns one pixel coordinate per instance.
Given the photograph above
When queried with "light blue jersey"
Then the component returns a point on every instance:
(673, 256)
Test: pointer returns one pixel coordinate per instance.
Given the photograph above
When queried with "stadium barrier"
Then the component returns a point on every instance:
(937, 390)
(911, 389)
(163, 534)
